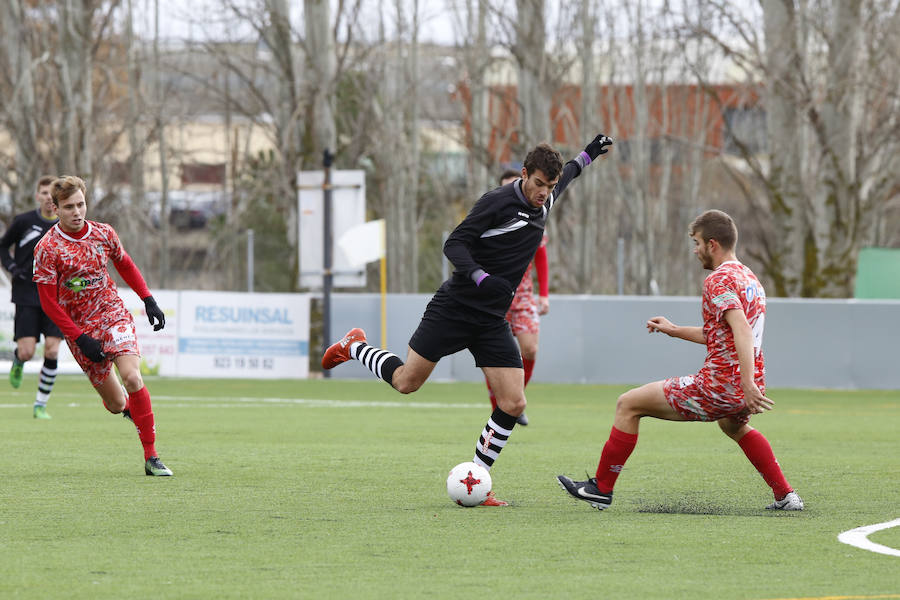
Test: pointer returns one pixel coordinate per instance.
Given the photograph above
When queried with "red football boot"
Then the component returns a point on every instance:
(339, 352)
(492, 500)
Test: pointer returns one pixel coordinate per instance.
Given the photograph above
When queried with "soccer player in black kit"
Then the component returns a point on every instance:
(30, 322)
(490, 251)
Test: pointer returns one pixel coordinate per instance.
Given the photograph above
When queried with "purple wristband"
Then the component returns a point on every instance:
(480, 279)
(586, 157)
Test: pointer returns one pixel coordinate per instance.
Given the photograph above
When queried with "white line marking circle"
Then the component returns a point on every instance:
(859, 537)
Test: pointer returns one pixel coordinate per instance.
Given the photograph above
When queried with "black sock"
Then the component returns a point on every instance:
(493, 438)
(381, 362)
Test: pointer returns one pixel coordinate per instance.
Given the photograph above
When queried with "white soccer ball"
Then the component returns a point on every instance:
(468, 484)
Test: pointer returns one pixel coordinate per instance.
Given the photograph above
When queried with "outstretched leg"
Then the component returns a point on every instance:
(646, 401)
(404, 377)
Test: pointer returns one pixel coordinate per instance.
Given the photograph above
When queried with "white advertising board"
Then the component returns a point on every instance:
(348, 209)
(158, 348)
(224, 334)
(66, 362)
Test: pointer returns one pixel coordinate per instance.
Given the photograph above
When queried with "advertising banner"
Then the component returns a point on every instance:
(225, 334)
(158, 348)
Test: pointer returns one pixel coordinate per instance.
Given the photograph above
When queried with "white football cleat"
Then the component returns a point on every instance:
(790, 502)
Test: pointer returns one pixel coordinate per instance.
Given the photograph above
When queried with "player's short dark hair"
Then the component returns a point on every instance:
(543, 157)
(716, 225)
(507, 174)
(44, 180)
(65, 186)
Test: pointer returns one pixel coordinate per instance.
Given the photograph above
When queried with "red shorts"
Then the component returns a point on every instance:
(118, 339)
(524, 320)
(700, 403)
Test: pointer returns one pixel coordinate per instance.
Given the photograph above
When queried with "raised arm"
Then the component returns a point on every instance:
(573, 168)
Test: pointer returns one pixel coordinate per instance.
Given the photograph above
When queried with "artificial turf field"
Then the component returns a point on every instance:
(335, 489)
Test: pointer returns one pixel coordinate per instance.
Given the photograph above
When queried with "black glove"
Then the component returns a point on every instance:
(496, 287)
(19, 273)
(598, 146)
(154, 313)
(90, 347)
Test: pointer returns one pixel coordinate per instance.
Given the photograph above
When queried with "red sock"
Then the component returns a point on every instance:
(529, 368)
(142, 415)
(615, 452)
(492, 396)
(759, 451)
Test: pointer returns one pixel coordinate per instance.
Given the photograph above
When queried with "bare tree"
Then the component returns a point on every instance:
(20, 116)
(63, 68)
(534, 81)
(397, 160)
(833, 134)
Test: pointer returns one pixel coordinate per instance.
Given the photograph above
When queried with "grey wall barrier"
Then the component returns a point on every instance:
(834, 344)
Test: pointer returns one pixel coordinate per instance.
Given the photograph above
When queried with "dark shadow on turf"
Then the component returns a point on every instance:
(688, 505)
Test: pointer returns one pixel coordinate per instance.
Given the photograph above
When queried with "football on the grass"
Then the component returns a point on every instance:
(468, 484)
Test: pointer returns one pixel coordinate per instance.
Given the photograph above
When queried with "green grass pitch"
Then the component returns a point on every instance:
(334, 489)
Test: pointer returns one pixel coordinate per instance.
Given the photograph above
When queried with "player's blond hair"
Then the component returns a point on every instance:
(65, 186)
(716, 225)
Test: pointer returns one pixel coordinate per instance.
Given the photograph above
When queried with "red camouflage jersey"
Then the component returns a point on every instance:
(77, 268)
(524, 297)
(731, 285)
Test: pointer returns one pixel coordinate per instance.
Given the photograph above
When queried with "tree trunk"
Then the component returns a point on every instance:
(588, 229)
(784, 67)
(531, 57)
(839, 219)
(402, 250)
(136, 202)
(477, 58)
(164, 231)
(20, 106)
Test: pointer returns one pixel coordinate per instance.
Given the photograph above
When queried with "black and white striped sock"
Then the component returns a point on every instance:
(47, 377)
(381, 362)
(493, 438)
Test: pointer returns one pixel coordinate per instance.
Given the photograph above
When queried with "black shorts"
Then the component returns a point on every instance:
(32, 322)
(448, 327)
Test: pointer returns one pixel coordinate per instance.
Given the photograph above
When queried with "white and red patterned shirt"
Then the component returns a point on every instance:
(731, 285)
(524, 296)
(77, 268)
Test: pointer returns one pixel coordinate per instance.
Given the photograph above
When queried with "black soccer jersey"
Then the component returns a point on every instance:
(23, 235)
(500, 235)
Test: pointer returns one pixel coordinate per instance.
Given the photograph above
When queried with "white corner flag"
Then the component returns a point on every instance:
(363, 243)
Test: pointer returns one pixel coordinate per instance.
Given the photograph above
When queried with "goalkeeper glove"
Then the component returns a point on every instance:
(597, 147)
(495, 287)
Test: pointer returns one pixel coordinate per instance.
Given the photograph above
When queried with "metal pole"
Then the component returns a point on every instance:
(327, 277)
(620, 265)
(250, 264)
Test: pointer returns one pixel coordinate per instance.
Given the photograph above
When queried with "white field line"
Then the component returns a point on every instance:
(219, 402)
(859, 537)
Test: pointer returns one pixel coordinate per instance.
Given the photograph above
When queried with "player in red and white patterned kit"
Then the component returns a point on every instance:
(524, 315)
(728, 389)
(77, 293)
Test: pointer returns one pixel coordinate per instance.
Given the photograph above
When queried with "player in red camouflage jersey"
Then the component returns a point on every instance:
(728, 389)
(524, 315)
(78, 294)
